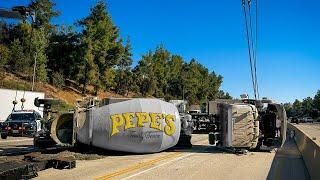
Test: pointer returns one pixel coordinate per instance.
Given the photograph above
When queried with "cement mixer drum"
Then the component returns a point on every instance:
(137, 125)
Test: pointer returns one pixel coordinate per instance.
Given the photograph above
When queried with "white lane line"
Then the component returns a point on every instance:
(154, 167)
(18, 140)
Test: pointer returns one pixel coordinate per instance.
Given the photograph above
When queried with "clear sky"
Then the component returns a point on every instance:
(213, 32)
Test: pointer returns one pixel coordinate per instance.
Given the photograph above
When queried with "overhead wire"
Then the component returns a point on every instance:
(249, 48)
(256, 49)
(254, 45)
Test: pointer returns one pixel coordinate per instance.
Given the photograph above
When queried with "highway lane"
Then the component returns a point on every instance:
(15, 143)
(284, 163)
(202, 161)
(15, 140)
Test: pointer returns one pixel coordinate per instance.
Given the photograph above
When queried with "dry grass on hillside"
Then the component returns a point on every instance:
(68, 94)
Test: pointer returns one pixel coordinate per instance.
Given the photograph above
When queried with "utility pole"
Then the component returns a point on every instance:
(33, 17)
(34, 70)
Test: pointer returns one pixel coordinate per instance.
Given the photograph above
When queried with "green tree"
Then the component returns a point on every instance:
(190, 78)
(159, 63)
(17, 59)
(175, 86)
(215, 83)
(297, 108)
(33, 41)
(289, 109)
(44, 12)
(39, 43)
(307, 106)
(144, 75)
(88, 73)
(198, 84)
(316, 101)
(124, 73)
(4, 56)
(5, 32)
(161, 74)
(109, 78)
(65, 52)
(58, 79)
(222, 95)
(105, 43)
(20, 40)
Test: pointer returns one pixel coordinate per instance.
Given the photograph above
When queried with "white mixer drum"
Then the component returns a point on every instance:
(137, 125)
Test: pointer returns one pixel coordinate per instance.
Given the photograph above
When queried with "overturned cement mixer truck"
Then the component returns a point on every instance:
(153, 125)
(131, 125)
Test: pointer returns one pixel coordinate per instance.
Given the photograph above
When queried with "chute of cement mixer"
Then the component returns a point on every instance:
(137, 125)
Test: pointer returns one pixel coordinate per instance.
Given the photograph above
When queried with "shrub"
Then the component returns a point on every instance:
(58, 79)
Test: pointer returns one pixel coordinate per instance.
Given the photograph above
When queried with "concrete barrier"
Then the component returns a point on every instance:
(309, 149)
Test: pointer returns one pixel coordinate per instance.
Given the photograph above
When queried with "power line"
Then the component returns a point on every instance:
(249, 48)
(256, 48)
(254, 45)
(253, 49)
(252, 39)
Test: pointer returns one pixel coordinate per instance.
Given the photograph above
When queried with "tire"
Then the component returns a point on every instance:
(4, 136)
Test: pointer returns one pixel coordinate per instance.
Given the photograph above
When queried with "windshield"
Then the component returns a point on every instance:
(21, 117)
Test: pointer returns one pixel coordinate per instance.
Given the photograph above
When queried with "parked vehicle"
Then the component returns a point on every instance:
(21, 123)
(307, 120)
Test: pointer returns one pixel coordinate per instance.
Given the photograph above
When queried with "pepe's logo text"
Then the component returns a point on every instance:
(126, 120)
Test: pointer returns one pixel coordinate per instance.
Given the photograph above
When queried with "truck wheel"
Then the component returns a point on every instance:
(4, 136)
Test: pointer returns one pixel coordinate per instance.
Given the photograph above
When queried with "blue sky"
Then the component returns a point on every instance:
(213, 32)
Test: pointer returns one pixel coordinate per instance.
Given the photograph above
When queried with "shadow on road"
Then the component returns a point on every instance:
(288, 163)
(15, 150)
(199, 149)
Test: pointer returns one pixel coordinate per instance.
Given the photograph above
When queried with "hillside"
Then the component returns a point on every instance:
(68, 94)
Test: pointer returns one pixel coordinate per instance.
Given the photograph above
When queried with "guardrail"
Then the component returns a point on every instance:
(310, 151)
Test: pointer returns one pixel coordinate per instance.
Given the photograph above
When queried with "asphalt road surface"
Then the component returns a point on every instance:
(15, 143)
(200, 162)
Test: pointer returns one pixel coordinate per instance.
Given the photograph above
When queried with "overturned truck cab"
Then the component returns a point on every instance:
(249, 125)
(136, 125)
